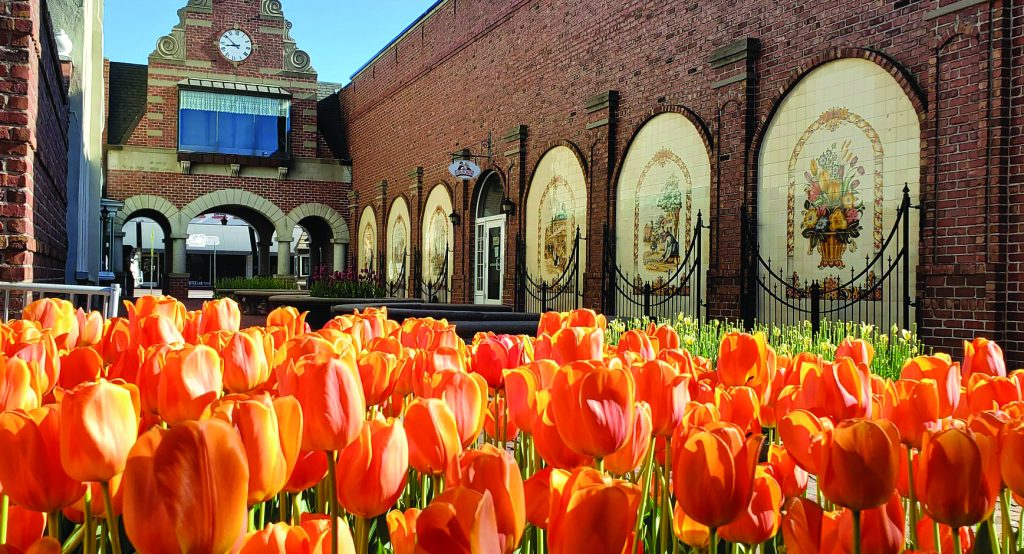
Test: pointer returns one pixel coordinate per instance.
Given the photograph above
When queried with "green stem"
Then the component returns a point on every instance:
(714, 540)
(666, 518)
(1020, 530)
(423, 491)
(4, 505)
(856, 532)
(992, 532)
(599, 464)
(913, 500)
(90, 536)
(282, 507)
(333, 497)
(296, 510)
(74, 540)
(437, 486)
(362, 535)
(646, 476)
(936, 536)
(1004, 506)
(956, 541)
(103, 526)
(252, 519)
(52, 524)
(112, 524)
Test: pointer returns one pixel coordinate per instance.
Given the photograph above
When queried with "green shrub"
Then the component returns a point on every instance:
(254, 283)
(892, 348)
(348, 284)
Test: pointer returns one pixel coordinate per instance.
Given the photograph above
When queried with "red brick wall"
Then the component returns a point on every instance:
(33, 146)
(479, 66)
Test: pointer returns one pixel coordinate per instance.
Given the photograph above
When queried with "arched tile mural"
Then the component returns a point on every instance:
(664, 183)
(832, 167)
(398, 241)
(438, 235)
(555, 208)
(367, 260)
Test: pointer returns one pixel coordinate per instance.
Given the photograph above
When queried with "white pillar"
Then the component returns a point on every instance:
(178, 265)
(339, 254)
(284, 257)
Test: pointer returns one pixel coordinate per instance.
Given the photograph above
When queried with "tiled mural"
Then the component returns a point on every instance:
(367, 241)
(438, 235)
(832, 168)
(398, 241)
(555, 208)
(665, 181)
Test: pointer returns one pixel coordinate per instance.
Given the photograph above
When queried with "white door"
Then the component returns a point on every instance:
(490, 260)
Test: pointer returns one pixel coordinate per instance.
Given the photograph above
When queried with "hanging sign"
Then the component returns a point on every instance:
(202, 241)
(464, 170)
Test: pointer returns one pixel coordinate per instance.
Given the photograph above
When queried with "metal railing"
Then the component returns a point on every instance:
(106, 300)
(399, 287)
(561, 294)
(436, 291)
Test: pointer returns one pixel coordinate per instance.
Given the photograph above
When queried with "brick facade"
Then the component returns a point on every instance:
(33, 146)
(478, 67)
(312, 173)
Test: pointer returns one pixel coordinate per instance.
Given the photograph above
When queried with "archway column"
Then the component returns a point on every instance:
(338, 263)
(263, 257)
(177, 279)
(284, 254)
(117, 253)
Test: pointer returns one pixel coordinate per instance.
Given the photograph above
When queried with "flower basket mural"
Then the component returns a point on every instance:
(833, 208)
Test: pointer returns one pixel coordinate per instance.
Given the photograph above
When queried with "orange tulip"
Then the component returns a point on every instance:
(957, 484)
(190, 380)
(288, 318)
(983, 356)
(636, 342)
(493, 471)
(96, 505)
(496, 410)
(43, 360)
(537, 496)
(985, 392)
(45, 545)
(201, 479)
(99, 423)
(374, 468)
(81, 365)
(807, 529)
(743, 361)
(859, 350)
(271, 431)
(402, 530)
(333, 408)
(318, 527)
(24, 526)
(571, 344)
(593, 407)
(926, 537)
(914, 407)
(663, 337)
(581, 503)
(117, 338)
(660, 385)
(493, 354)
(848, 389)
(798, 431)
(1011, 453)
(310, 469)
(783, 467)
(719, 465)
(434, 442)
(688, 531)
(145, 306)
(377, 373)
(246, 365)
(521, 394)
(34, 477)
(459, 521)
(157, 329)
(16, 390)
(631, 456)
(91, 327)
(147, 521)
(57, 316)
(466, 395)
(760, 520)
(277, 537)
(946, 375)
(220, 315)
(881, 528)
(548, 440)
(858, 463)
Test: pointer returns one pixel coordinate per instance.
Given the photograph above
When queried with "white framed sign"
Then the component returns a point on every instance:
(464, 170)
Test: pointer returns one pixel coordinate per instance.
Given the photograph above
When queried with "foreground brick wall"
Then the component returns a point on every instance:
(541, 64)
(33, 146)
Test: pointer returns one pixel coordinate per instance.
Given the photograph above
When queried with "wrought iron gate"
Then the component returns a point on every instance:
(560, 294)
(880, 292)
(400, 286)
(679, 291)
(436, 290)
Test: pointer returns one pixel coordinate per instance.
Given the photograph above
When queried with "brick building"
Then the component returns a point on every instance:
(225, 119)
(792, 128)
(33, 145)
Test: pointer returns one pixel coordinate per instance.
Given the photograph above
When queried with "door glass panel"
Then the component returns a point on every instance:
(479, 258)
(494, 263)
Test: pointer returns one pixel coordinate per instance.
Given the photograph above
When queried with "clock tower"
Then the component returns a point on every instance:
(231, 125)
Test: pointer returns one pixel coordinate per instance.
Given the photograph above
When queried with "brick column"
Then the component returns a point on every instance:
(602, 152)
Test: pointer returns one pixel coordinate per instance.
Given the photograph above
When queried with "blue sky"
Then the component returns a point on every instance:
(340, 35)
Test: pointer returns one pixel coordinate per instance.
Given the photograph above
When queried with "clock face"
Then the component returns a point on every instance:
(235, 45)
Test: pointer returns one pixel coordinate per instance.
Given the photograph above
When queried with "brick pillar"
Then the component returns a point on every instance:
(602, 124)
(734, 185)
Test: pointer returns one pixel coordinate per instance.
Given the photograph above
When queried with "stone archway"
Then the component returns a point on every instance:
(328, 226)
(157, 208)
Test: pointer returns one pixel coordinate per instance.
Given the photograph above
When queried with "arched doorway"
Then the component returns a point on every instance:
(489, 267)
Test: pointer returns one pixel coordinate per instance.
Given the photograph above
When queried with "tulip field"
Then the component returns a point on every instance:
(172, 431)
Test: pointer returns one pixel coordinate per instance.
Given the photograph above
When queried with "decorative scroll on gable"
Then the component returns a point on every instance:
(172, 46)
(200, 5)
(271, 8)
(295, 59)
